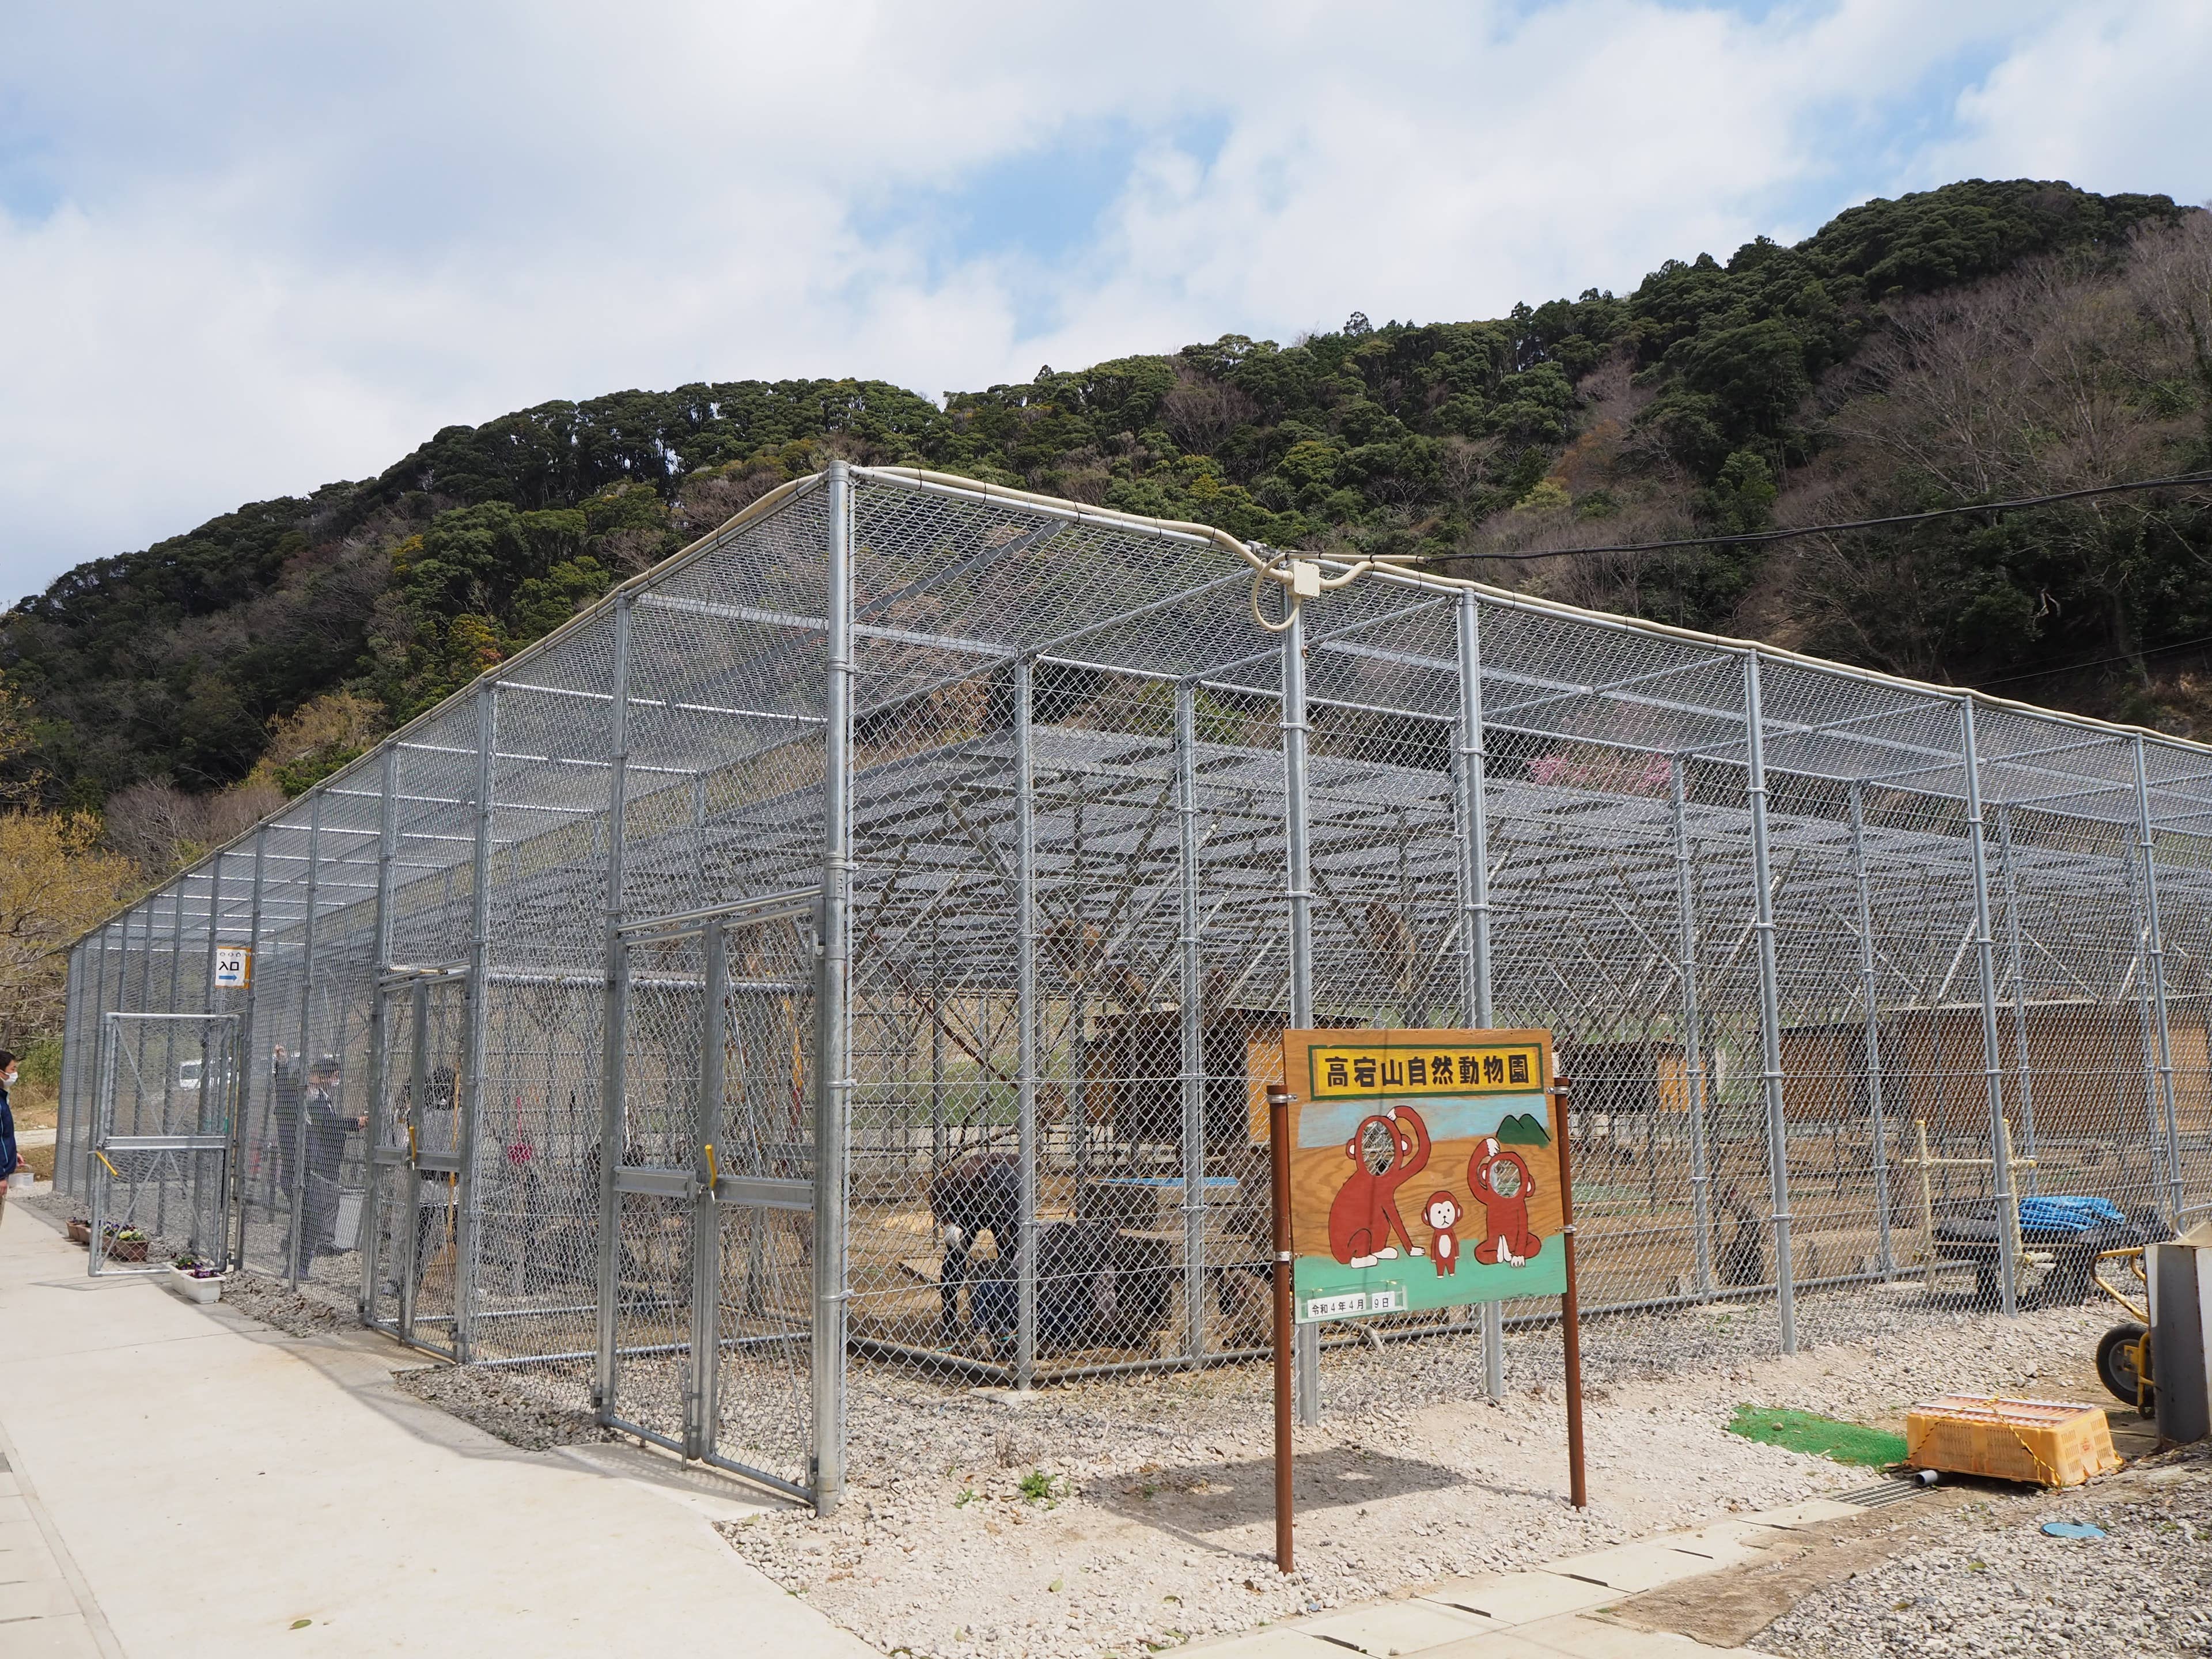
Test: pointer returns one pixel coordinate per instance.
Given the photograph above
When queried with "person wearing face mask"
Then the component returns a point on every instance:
(8, 1163)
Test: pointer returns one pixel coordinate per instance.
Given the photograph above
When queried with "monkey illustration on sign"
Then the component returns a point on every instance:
(1442, 1212)
(1503, 1186)
(1386, 1152)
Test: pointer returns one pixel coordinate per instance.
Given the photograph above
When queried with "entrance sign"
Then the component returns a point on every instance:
(234, 967)
(1414, 1170)
(1424, 1171)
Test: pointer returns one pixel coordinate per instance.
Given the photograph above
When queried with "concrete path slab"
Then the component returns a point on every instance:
(1797, 1517)
(1586, 1637)
(1631, 1569)
(1395, 1627)
(215, 1482)
(1521, 1598)
(1282, 1643)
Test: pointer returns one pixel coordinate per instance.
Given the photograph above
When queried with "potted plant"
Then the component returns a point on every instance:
(80, 1229)
(194, 1280)
(126, 1244)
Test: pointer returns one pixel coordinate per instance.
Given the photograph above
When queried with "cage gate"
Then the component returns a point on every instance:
(712, 1194)
(162, 1144)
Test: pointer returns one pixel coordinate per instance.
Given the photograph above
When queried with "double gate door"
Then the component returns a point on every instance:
(420, 1243)
(708, 1251)
(162, 1152)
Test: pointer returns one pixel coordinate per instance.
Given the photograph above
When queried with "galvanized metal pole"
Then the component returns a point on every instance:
(380, 1034)
(2153, 1116)
(1870, 989)
(1191, 991)
(2023, 1067)
(834, 1082)
(1471, 763)
(614, 1013)
(249, 1067)
(702, 1412)
(304, 1057)
(2174, 1174)
(1992, 1060)
(206, 1193)
(1026, 1014)
(468, 1216)
(1298, 891)
(1770, 1005)
(1693, 1035)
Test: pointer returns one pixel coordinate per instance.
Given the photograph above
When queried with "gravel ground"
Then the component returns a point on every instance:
(1998, 1585)
(1119, 1515)
(1122, 1515)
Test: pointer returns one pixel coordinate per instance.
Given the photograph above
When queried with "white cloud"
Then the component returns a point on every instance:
(285, 245)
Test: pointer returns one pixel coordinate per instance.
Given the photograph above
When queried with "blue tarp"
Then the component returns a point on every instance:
(2067, 1213)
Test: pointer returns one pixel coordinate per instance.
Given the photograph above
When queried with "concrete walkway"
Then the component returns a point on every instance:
(1552, 1612)
(182, 1481)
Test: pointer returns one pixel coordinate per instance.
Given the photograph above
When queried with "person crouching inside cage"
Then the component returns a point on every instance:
(323, 1131)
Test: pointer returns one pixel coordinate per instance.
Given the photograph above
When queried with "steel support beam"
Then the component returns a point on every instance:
(833, 1065)
(1870, 992)
(304, 1056)
(2023, 1067)
(2171, 1124)
(1190, 993)
(614, 1011)
(1297, 891)
(1992, 1059)
(1693, 1035)
(372, 1247)
(468, 1217)
(1470, 771)
(1770, 1005)
(1027, 1013)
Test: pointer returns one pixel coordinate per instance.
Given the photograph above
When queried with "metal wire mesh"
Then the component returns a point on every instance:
(540, 1061)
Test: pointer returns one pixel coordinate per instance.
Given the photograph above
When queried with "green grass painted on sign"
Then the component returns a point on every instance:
(1822, 1437)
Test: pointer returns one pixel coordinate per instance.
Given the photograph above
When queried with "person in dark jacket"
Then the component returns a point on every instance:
(321, 1135)
(9, 1161)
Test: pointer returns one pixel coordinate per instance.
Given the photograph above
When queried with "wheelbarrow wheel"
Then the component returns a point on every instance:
(2115, 1363)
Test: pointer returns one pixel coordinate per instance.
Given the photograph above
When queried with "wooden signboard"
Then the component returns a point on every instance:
(1418, 1170)
(1424, 1171)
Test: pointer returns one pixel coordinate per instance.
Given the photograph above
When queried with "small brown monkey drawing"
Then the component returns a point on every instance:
(1442, 1212)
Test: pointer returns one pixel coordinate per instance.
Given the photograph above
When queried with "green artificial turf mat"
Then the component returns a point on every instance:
(1822, 1437)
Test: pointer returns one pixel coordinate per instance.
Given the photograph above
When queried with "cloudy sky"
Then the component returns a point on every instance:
(247, 249)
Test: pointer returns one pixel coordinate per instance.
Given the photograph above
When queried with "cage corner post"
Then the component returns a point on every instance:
(614, 1015)
(296, 1221)
(378, 1166)
(1992, 1057)
(468, 1197)
(1770, 1004)
(1871, 991)
(1472, 755)
(833, 1082)
(1298, 887)
(1695, 1092)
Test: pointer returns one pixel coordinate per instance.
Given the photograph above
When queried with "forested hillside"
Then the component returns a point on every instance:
(1976, 342)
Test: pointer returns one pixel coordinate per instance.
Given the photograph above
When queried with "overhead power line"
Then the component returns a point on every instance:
(1749, 537)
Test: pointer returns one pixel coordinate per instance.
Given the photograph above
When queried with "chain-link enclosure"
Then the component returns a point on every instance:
(861, 946)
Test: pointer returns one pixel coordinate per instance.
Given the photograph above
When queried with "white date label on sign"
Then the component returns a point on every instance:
(1336, 1307)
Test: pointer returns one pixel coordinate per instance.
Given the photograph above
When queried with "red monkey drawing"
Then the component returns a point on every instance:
(1503, 1186)
(1363, 1215)
(1443, 1213)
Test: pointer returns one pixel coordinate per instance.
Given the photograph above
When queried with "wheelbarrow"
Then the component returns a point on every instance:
(2124, 1363)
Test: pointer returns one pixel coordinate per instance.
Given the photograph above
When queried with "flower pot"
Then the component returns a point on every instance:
(193, 1288)
(80, 1232)
(126, 1249)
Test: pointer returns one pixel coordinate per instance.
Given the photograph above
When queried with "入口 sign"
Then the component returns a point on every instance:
(234, 967)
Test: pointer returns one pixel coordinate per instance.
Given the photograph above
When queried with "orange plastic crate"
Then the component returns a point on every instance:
(2047, 1443)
